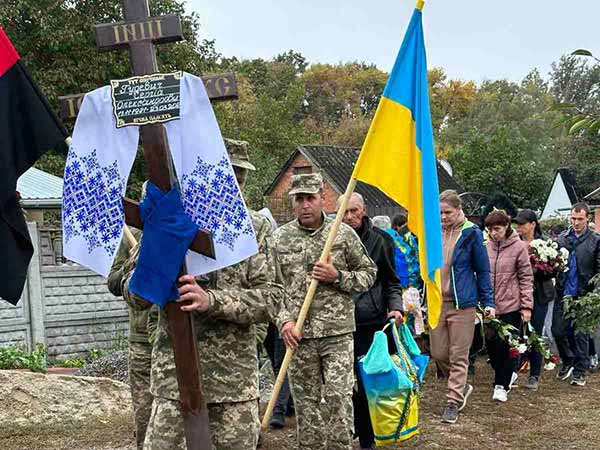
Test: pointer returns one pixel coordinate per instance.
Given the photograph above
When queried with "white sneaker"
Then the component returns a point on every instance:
(500, 394)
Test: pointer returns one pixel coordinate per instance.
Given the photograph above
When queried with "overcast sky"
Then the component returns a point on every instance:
(470, 39)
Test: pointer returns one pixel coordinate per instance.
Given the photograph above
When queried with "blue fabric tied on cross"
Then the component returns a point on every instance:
(168, 233)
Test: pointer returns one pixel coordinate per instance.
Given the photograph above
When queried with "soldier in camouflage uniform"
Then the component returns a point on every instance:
(226, 305)
(141, 324)
(323, 363)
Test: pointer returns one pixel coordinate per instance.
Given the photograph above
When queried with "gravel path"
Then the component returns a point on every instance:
(112, 366)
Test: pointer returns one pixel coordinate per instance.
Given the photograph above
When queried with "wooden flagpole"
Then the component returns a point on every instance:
(312, 289)
(310, 294)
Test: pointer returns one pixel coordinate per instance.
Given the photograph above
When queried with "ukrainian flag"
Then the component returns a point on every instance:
(398, 156)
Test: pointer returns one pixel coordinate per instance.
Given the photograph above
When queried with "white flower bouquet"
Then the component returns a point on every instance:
(546, 257)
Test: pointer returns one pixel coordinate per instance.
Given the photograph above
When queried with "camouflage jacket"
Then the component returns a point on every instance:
(142, 322)
(241, 295)
(297, 249)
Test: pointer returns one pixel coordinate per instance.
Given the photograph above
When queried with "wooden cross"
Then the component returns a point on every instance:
(139, 32)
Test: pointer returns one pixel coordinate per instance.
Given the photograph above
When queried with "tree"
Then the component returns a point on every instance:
(576, 90)
(576, 87)
(56, 41)
(267, 115)
(450, 102)
(498, 160)
(517, 116)
(344, 90)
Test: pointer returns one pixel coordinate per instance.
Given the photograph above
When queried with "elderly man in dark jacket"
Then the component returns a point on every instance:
(584, 262)
(373, 307)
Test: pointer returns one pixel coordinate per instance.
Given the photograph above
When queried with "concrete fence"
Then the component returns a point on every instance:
(64, 306)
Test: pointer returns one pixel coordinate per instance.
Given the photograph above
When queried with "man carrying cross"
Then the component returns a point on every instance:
(226, 304)
(99, 161)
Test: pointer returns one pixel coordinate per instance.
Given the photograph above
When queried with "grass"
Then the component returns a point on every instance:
(557, 417)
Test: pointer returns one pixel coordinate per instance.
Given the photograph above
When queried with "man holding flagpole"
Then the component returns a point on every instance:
(324, 360)
(398, 158)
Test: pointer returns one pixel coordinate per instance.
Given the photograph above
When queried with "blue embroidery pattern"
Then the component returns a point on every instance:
(212, 199)
(92, 205)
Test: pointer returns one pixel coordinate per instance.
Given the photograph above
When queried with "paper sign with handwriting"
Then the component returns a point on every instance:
(146, 99)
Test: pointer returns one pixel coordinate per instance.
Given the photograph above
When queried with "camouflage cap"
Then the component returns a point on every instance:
(238, 153)
(309, 183)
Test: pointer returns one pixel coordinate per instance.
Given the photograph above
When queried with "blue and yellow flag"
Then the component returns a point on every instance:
(398, 156)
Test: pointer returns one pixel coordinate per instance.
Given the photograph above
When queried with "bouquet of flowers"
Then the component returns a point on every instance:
(519, 344)
(547, 258)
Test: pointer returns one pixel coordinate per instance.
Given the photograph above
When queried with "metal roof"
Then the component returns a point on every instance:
(40, 189)
(336, 164)
(594, 195)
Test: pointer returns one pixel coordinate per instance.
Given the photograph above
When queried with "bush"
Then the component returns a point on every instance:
(550, 222)
(17, 357)
(71, 363)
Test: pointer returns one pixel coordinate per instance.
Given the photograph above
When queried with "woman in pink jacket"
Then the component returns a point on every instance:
(512, 281)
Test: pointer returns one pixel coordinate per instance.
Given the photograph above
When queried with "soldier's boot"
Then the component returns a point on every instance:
(277, 420)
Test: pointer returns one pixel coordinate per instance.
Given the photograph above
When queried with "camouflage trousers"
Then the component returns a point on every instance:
(140, 362)
(322, 368)
(233, 426)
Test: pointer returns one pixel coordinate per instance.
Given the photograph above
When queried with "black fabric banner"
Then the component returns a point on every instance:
(28, 129)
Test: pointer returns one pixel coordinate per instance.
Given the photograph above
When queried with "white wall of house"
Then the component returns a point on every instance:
(558, 203)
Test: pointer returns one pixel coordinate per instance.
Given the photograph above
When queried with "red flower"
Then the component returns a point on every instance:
(554, 359)
(513, 353)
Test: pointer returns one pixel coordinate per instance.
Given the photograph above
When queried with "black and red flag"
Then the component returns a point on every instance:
(28, 129)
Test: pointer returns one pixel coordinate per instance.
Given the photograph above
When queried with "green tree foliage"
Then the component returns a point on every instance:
(267, 115)
(56, 41)
(498, 135)
(451, 101)
(576, 91)
(499, 200)
(498, 160)
(507, 140)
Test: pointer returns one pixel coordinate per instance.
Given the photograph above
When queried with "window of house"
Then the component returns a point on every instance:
(302, 169)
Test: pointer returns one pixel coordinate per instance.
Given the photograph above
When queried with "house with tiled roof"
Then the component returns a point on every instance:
(336, 164)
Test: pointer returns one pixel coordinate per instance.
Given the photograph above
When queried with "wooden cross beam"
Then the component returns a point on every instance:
(218, 87)
(139, 32)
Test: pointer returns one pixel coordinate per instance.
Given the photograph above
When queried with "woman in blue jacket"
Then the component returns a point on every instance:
(465, 285)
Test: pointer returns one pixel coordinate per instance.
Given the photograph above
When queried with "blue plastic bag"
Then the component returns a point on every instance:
(380, 369)
(391, 384)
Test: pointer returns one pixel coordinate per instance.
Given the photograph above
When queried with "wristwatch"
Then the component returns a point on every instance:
(338, 280)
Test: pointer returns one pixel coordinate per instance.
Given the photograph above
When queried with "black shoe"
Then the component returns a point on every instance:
(578, 381)
(277, 421)
(565, 372)
(450, 413)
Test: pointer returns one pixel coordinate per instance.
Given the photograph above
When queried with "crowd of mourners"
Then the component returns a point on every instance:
(487, 274)
(371, 278)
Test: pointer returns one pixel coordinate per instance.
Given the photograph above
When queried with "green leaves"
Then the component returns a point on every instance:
(561, 106)
(582, 52)
(584, 311)
(17, 357)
